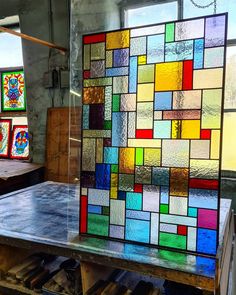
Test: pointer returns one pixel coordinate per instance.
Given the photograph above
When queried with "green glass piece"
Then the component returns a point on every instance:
(107, 125)
(126, 182)
(139, 156)
(164, 208)
(172, 240)
(114, 168)
(170, 32)
(116, 103)
(192, 212)
(105, 211)
(98, 224)
(179, 258)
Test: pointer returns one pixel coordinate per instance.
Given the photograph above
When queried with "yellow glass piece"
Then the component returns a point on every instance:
(215, 144)
(144, 143)
(92, 95)
(98, 51)
(152, 157)
(116, 40)
(211, 108)
(176, 129)
(109, 56)
(146, 74)
(145, 92)
(212, 78)
(126, 160)
(179, 178)
(86, 57)
(145, 115)
(229, 141)
(88, 157)
(99, 150)
(114, 185)
(84, 191)
(205, 169)
(168, 76)
(98, 82)
(97, 133)
(142, 59)
(190, 129)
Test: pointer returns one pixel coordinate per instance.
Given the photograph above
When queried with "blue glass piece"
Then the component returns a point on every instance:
(133, 74)
(119, 129)
(85, 116)
(201, 198)
(94, 209)
(110, 155)
(177, 51)
(160, 176)
(134, 201)
(138, 215)
(112, 72)
(121, 195)
(137, 230)
(198, 53)
(201, 263)
(121, 57)
(103, 176)
(155, 48)
(162, 129)
(164, 195)
(163, 101)
(206, 241)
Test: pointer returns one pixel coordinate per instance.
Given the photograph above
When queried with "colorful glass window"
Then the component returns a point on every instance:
(20, 142)
(13, 91)
(151, 142)
(5, 132)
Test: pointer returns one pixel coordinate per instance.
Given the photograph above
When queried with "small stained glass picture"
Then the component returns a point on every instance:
(20, 142)
(5, 137)
(152, 132)
(13, 91)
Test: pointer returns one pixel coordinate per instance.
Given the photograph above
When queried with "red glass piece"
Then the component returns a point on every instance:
(204, 183)
(83, 214)
(94, 38)
(86, 74)
(182, 230)
(188, 75)
(138, 188)
(144, 133)
(205, 134)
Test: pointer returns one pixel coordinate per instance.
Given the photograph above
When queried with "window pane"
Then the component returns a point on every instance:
(230, 85)
(190, 10)
(11, 51)
(151, 14)
(229, 142)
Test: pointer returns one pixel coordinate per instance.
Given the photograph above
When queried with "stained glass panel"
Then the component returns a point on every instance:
(152, 134)
(13, 91)
(5, 132)
(20, 142)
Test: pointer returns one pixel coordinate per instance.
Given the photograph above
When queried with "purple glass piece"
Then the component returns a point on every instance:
(87, 179)
(121, 57)
(215, 31)
(96, 117)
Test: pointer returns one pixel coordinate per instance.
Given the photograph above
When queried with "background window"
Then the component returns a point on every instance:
(151, 14)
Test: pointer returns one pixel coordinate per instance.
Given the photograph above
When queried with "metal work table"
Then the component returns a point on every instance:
(45, 218)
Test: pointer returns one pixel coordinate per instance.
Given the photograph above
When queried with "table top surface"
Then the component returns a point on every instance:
(12, 168)
(46, 217)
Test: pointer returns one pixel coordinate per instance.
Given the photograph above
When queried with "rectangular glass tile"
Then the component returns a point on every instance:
(211, 108)
(151, 30)
(155, 49)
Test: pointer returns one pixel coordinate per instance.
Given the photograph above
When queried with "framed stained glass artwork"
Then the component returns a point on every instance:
(13, 91)
(151, 141)
(5, 133)
(20, 142)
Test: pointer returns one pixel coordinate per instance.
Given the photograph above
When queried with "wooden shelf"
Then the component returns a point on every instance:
(10, 288)
(13, 114)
